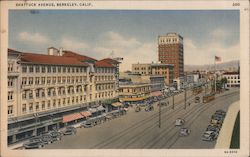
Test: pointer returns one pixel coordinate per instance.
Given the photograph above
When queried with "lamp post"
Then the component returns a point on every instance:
(159, 114)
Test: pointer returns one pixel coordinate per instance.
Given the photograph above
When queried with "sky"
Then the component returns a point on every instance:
(131, 34)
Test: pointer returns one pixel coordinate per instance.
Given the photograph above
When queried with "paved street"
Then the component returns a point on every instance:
(137, 130)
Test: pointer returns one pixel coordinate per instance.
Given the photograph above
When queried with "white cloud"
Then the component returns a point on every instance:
(204, 53)
(73, 44)
(35, 38)
(220, 34)
(129, 48)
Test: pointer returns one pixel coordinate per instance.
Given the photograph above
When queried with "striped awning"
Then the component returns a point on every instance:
(72, 117)
(134, 99)
(86, 113)
(117, 104)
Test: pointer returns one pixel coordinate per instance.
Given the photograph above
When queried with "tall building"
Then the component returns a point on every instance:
(170, 51)
(57, 89)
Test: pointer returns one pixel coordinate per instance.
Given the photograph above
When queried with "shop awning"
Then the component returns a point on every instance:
(134, 99)
(117, 104)
(86, 113)
(72, 117)
(157, 93)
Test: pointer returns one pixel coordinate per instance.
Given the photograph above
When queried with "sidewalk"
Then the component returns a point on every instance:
(224, 138)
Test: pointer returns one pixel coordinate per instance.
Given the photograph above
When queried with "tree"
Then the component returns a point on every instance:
(224, 81)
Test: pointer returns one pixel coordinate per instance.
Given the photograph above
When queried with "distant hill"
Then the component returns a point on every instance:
(231, 65)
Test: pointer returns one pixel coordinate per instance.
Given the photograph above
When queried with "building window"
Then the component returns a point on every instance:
(59, 79)
(54, 80)
(68, 69)
(31, 95)
(73, 70)
(43, 69)
(30, 80)
(64, 69)
(31, 69)
(24, 69)
(37, 93)
(24, 108)
(37, 106)
(43, 105)
(54, 69)
(10, 95)
(10, 82)
(37, 80)
(59, 69)
(48, 80)
(54, 103)
(43, 80)
(49, 69)
(31, 107)
(10, 109)
(37, 69)
(48, 104)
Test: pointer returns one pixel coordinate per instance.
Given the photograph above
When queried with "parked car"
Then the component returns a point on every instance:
(33, 144)
(184, 132)
(87, 124)
(213, 128)
(220, 112)
(47, 139)
(217, 120)
(55, 135)
(69, 131)
(209, 136)
(179, 122)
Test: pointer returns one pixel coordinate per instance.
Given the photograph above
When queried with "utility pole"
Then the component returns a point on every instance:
(173, 102)
(185, 97)
(160, 115)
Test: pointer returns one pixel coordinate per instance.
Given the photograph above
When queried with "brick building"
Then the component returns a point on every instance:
(170, 51)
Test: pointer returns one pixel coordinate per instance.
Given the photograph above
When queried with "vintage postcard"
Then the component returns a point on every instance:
(124, 78)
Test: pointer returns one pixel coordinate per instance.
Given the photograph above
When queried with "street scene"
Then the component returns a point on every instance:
(98, 84)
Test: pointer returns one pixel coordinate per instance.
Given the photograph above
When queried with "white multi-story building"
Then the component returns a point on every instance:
(233, 79)
(54, 90)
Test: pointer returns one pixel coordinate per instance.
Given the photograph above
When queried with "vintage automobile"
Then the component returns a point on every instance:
(179, 122)
(184, 132)
(209, 136)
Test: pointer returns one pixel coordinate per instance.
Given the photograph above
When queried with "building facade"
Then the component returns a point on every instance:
(155, 69)
(233, 79)
(134, 92)
(170, 51)
(46, 91)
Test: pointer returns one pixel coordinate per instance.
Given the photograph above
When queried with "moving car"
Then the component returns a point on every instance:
(209, 136)
(184, 132)
(179, 122)
(69, 131)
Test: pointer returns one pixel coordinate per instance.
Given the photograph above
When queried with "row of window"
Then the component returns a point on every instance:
(52, 69)
(40, 93)
(104, 78)
(233, 77)
(10, 67)
(37, 106)
(61, 69)
(168, 40)
(133, 90)
(104, 86)
(53, 80)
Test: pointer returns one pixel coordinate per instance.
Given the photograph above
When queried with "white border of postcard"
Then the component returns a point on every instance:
(145, 5)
